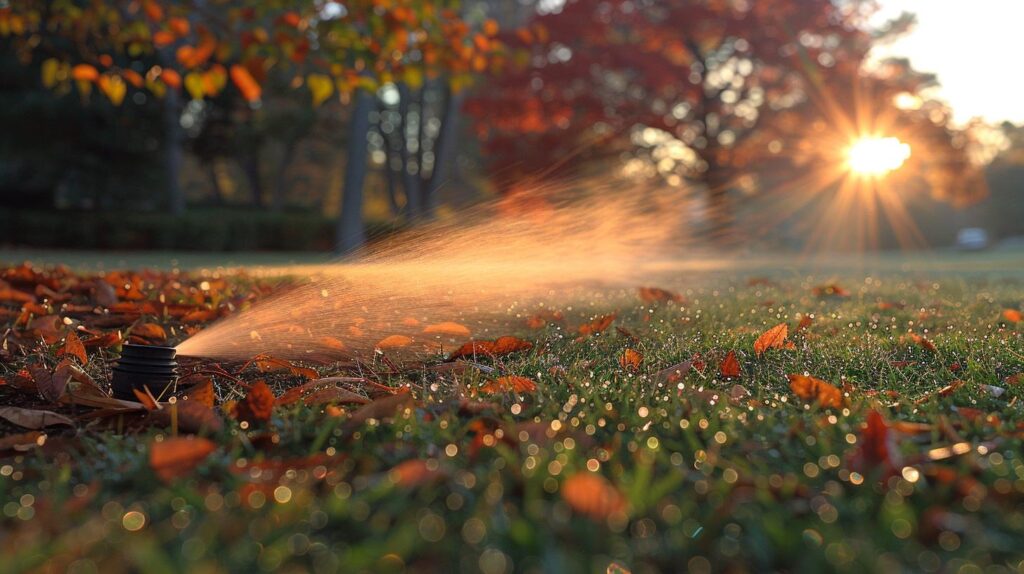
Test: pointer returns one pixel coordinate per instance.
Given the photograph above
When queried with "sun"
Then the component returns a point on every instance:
(876, 156)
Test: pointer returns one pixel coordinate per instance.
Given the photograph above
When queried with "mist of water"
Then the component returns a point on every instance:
(472, 276)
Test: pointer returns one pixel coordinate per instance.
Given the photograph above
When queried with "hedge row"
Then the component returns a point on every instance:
(202, 230)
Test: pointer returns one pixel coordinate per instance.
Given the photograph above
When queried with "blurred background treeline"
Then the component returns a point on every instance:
(106, 144)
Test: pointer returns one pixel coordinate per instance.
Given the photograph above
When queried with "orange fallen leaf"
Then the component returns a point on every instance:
(630, 359)
(201, 392)
(394, 342)
(810, 388)
(150, 331)
(176, 457)
(805, 322)
(656, 295)
(774, 338)
(923, 342)
(730, 366)
(596, 326)
(593, 496)
(501, 346)
(268, 364)
(415, 472)
(447, 328)
(146, 399)
(1012, 315)
(258, 404)
(73, 346)
(104, 341)
(512, 383)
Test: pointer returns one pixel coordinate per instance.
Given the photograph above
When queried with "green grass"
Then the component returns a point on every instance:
(760, 484)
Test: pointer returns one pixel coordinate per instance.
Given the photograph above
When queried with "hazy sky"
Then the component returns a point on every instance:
(977, 49)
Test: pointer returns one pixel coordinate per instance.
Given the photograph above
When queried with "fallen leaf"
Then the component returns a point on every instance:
(176, 457)
(630, 359)
(873, 451)
(258, 404)
(104, 341)
(73, 346)
(34, 419)
(201, 391)
(596, 326)
(268, 364)
(447, 328)
(810, 388)
(499, 347)
(510, 383)
(805, 322)
(379, 409)
(656, 295)
(730, 366)
(51, 385)
(675, 373)
(415, 472)
(774, 338)
(22, 442)
(1012, 315)
(150, 332)
(923, 342)
(593, 496)
(146, 399)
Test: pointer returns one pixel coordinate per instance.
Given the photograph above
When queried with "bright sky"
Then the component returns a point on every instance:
(976, 47)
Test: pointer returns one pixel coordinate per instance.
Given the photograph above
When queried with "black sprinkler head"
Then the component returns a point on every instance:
(144, 366)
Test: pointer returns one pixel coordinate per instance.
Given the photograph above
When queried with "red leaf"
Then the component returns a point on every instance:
(73, 346)
(730, 367)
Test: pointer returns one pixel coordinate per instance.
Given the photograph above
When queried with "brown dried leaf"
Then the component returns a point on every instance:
(258, 404)
(201, 392)
(499, 347)
(73, 346)
(656, 295)
(51, 385)
(34, 419)
(150, 332)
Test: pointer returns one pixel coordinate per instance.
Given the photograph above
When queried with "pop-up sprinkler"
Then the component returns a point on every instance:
(144, 366)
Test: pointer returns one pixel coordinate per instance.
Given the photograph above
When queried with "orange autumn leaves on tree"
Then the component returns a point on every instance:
(247, 40)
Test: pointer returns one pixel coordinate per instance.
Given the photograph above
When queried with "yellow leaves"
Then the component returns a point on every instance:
(195, 85)
(812, 389)
(510, 383)
(413, 77)
(177, 457)
(774, 338)
(630, 359)
(593, 496)
(447, 328)
(53, 71)
(321, 86)
(245, 83)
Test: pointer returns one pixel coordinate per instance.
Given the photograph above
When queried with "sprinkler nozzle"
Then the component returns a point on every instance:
(144, 366)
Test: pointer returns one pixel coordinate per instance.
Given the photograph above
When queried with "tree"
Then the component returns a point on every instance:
(200, 48)
(698, 91)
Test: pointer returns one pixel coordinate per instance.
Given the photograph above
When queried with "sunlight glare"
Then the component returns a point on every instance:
(877, 156)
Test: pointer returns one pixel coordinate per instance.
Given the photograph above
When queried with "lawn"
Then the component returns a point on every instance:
(881, 432)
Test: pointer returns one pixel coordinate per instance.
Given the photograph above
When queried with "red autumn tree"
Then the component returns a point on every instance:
(703, 91)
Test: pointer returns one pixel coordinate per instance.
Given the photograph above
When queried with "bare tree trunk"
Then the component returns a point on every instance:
(280, 192)
(215, 188)
(410, 181)
(173, 154)
(444, 148)
(350, 234)
(251, 167)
